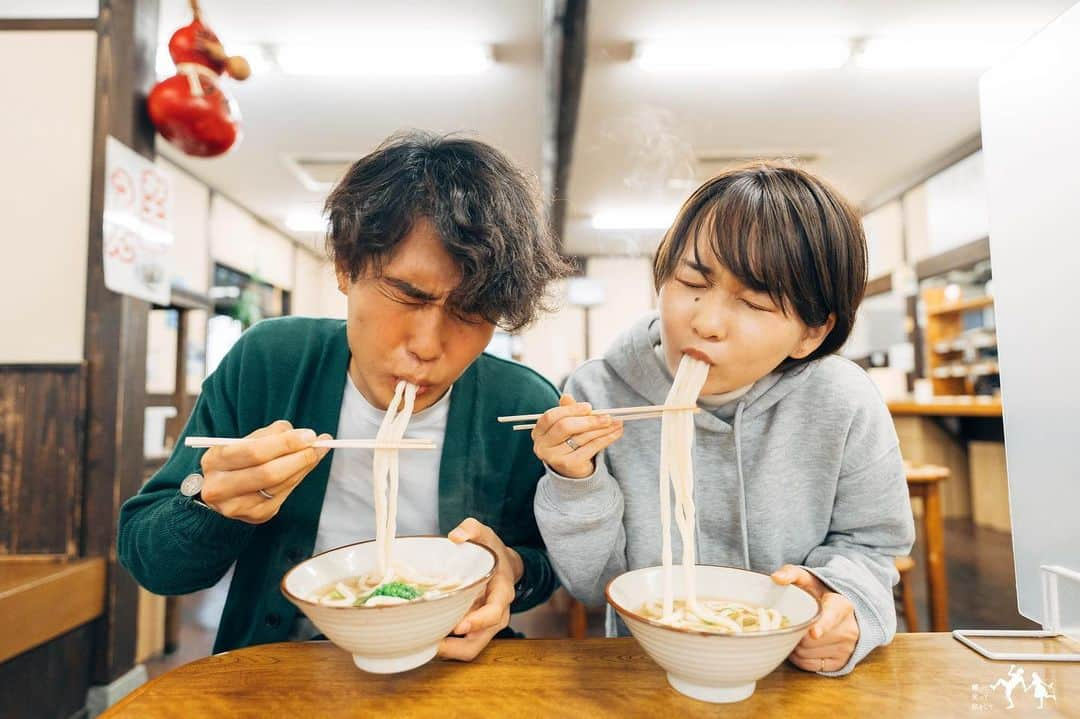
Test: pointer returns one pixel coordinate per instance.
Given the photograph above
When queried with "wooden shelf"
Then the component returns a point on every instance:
(946, 328)
(42, 597)
(976, 303)
(977, 369)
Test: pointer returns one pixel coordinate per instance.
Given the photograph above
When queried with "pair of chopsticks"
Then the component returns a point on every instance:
(624, 413)
(203, 442)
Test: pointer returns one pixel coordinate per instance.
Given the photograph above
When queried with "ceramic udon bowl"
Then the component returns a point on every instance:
(714, 667)
(396, 637)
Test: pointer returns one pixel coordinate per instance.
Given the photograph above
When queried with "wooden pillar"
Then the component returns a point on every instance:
(116, 325)
(564, 68)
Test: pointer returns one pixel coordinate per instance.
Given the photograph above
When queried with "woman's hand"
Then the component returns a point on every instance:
(831, 641)
(491, 613)
(273, 459)
(567, 438)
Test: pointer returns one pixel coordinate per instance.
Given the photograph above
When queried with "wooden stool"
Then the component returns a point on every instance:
(578, 620)
(924, 482)
(904, 565)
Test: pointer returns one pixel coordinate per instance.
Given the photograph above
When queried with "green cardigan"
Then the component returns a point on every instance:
(295, 368)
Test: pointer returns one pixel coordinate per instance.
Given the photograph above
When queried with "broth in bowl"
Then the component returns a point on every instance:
(401, 586)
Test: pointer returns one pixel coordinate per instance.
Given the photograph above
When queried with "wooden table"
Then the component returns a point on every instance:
(918, 675)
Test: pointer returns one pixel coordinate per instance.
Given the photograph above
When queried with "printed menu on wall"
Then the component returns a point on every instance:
(137, 232)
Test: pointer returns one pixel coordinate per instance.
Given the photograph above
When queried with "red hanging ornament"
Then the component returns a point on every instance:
(190, 109)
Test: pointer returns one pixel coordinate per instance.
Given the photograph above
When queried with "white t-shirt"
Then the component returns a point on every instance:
(348, 510)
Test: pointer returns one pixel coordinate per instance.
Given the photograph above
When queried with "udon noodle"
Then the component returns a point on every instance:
(677, 478)
(385, 474)
(720, 616)
(391, 582)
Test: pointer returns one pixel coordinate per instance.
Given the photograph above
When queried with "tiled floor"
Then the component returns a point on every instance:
(981, 596)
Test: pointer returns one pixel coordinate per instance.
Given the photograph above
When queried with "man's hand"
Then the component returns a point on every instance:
(491, 613)
(274, 459)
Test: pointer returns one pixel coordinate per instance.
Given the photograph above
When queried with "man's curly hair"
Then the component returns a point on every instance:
(488, 213)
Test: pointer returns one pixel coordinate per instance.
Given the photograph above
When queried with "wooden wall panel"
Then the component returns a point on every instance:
(42, 430)
(50, 681)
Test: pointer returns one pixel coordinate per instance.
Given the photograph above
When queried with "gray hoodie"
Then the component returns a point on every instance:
(803, 469)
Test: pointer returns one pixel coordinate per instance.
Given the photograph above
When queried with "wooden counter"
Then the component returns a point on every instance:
(947, 407)
(42, 598)
(918, 675)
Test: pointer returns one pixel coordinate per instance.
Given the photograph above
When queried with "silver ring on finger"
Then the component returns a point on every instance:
(266, 494)
(571, 444)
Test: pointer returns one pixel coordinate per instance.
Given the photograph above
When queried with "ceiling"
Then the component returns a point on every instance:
(643, 138)
(286, 116)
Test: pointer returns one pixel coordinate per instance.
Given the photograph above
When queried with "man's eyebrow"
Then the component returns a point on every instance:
(697, 266)
(410, 289)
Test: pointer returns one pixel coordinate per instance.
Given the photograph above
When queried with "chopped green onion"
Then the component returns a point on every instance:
(401, 590)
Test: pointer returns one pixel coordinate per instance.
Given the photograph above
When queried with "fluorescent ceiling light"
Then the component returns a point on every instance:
(936, 51)
(634, 218)
(742, 56)
(306, 220)
(399, 60)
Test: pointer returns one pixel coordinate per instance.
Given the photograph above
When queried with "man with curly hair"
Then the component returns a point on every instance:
(436, 241)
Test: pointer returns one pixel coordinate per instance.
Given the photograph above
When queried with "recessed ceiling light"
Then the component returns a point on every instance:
(389, 60)
(933, 50)
(743, 56)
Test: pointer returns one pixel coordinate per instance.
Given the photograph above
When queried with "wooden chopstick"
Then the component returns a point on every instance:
(203, 442)
(616, 412)
(626, 417)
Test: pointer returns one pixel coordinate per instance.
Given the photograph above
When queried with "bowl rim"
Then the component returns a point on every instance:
(300, 600)
(685, 630)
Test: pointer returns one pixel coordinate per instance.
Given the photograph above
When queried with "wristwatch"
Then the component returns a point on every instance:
(192, 487)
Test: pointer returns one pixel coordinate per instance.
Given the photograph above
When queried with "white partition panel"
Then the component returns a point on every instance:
(233, 235)
(1031, 140)
(191, 242)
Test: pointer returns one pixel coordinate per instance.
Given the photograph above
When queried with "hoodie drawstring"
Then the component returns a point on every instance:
(742, 484)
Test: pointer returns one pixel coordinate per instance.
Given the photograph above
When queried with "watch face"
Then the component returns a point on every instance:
(191, 485)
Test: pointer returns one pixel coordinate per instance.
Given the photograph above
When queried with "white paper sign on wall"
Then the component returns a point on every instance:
(137, 232)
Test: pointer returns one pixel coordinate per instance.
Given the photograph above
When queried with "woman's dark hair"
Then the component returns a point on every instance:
(779, 230)
(487, 212)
